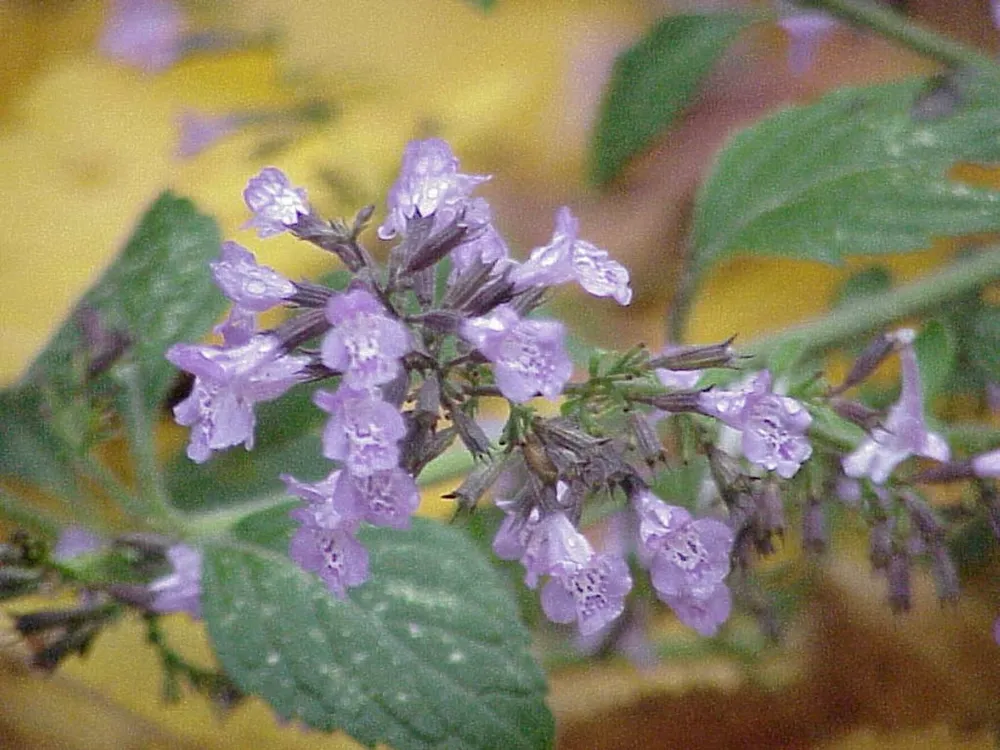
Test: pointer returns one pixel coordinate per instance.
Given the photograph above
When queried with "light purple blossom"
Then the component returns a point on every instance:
(704, 614)
(545, 544)
(805, 29)
(728, 405)
(386, 498)
(567, 258)
(681, 380)
(686, 556)
(593, 593)
(325, 544)
(987, 464)
(180, 591)
(198, 131)
(905, 432)
(228, 382)
(528, 355)
(774, 433)
(365, 344)
(275, 203)
(429, 184)
(247, 283)
(486, 247)
(238, 327)
(144, 34)
(74, 541)
(363, 431)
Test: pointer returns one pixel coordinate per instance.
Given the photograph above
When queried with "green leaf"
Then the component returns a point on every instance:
(654, 81)
(936, 349)
(29, 450)
(984, 344)
(867, 283)
(429, 653)
(482, 4)
(159, 290)
(851, 174)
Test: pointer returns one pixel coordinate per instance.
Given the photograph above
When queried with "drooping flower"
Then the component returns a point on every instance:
(545, 544)
(180, 591)
(987, 464)
(728, 404)
(247, 283)
(363, 431)
(774, 430)
(228, 382)
(275, 203)
(429, 184)
(144, 34)
(528, 355)
(905, 432)
(325, 544)
(687, 557)
(567, 258)
(592, 593)
(386, 498)
(238, 327)
(365, 344)
(703, 614)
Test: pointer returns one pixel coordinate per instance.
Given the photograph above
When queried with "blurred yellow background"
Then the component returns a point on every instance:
(86, 145)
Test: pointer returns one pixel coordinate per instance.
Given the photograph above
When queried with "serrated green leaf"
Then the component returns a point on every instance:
(851, 174)
(936, 349)
(653, 82)
(159, 290)
(429, 653)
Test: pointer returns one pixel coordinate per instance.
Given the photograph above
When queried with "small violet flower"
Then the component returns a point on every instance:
(987, 465)
(275, 203)
(704, 615)
(429, 184)
(144, 34)
(181, 590)
(365, 344)
(905, 432)
(228, 382)
(363, 431)
(325, 544)
(805, 29)
(545, 544)
(74, 541)
(386, 498)
(568, 258)
(248, 284)
(528, 355)
(592, 593)
(238, 327)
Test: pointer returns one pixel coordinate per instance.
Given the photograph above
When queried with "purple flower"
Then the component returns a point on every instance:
(566, 258)
(228, 382)
(681, 380)
(429, 184)
(688, 557)
(386, 498)
(528, 355)
(325, 544)
(486, 246)
(238, 327)
(365, 344)
(144, 34)
(275, 204)
(74, 541)
(593, 593)
(728, 405)
(805, 29)
(774, 433)
(181, 590)
(704, 614)
(987, 464)
(198, 131)
(545, 544)
(905, 433)
(363, 431)
(250, 285)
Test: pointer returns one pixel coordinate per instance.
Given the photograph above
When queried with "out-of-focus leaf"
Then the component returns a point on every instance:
(851, 174)
(984, 344)
(158, 291)
(428, 654)
(654, 81)
(29, 450)
(482, 4)
(936, 350)
(866, 283)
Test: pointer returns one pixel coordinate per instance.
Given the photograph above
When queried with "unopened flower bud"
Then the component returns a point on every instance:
(697, 357)
(476, 484)
(814, 537)
(898, 576)
(472, 435)
(769, 518)
(674, 402)
(880, 544)
(856, 412)
(945, 573)
(647, 442)
(869, 360)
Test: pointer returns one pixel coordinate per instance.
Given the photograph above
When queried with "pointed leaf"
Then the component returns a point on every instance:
(854, 173)
(654, 81)
(429, 653)
(29, 449)
(159, 290)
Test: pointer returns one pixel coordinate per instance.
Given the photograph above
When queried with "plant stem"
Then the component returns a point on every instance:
(867, 315)
(152, 491)
(897, 27)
